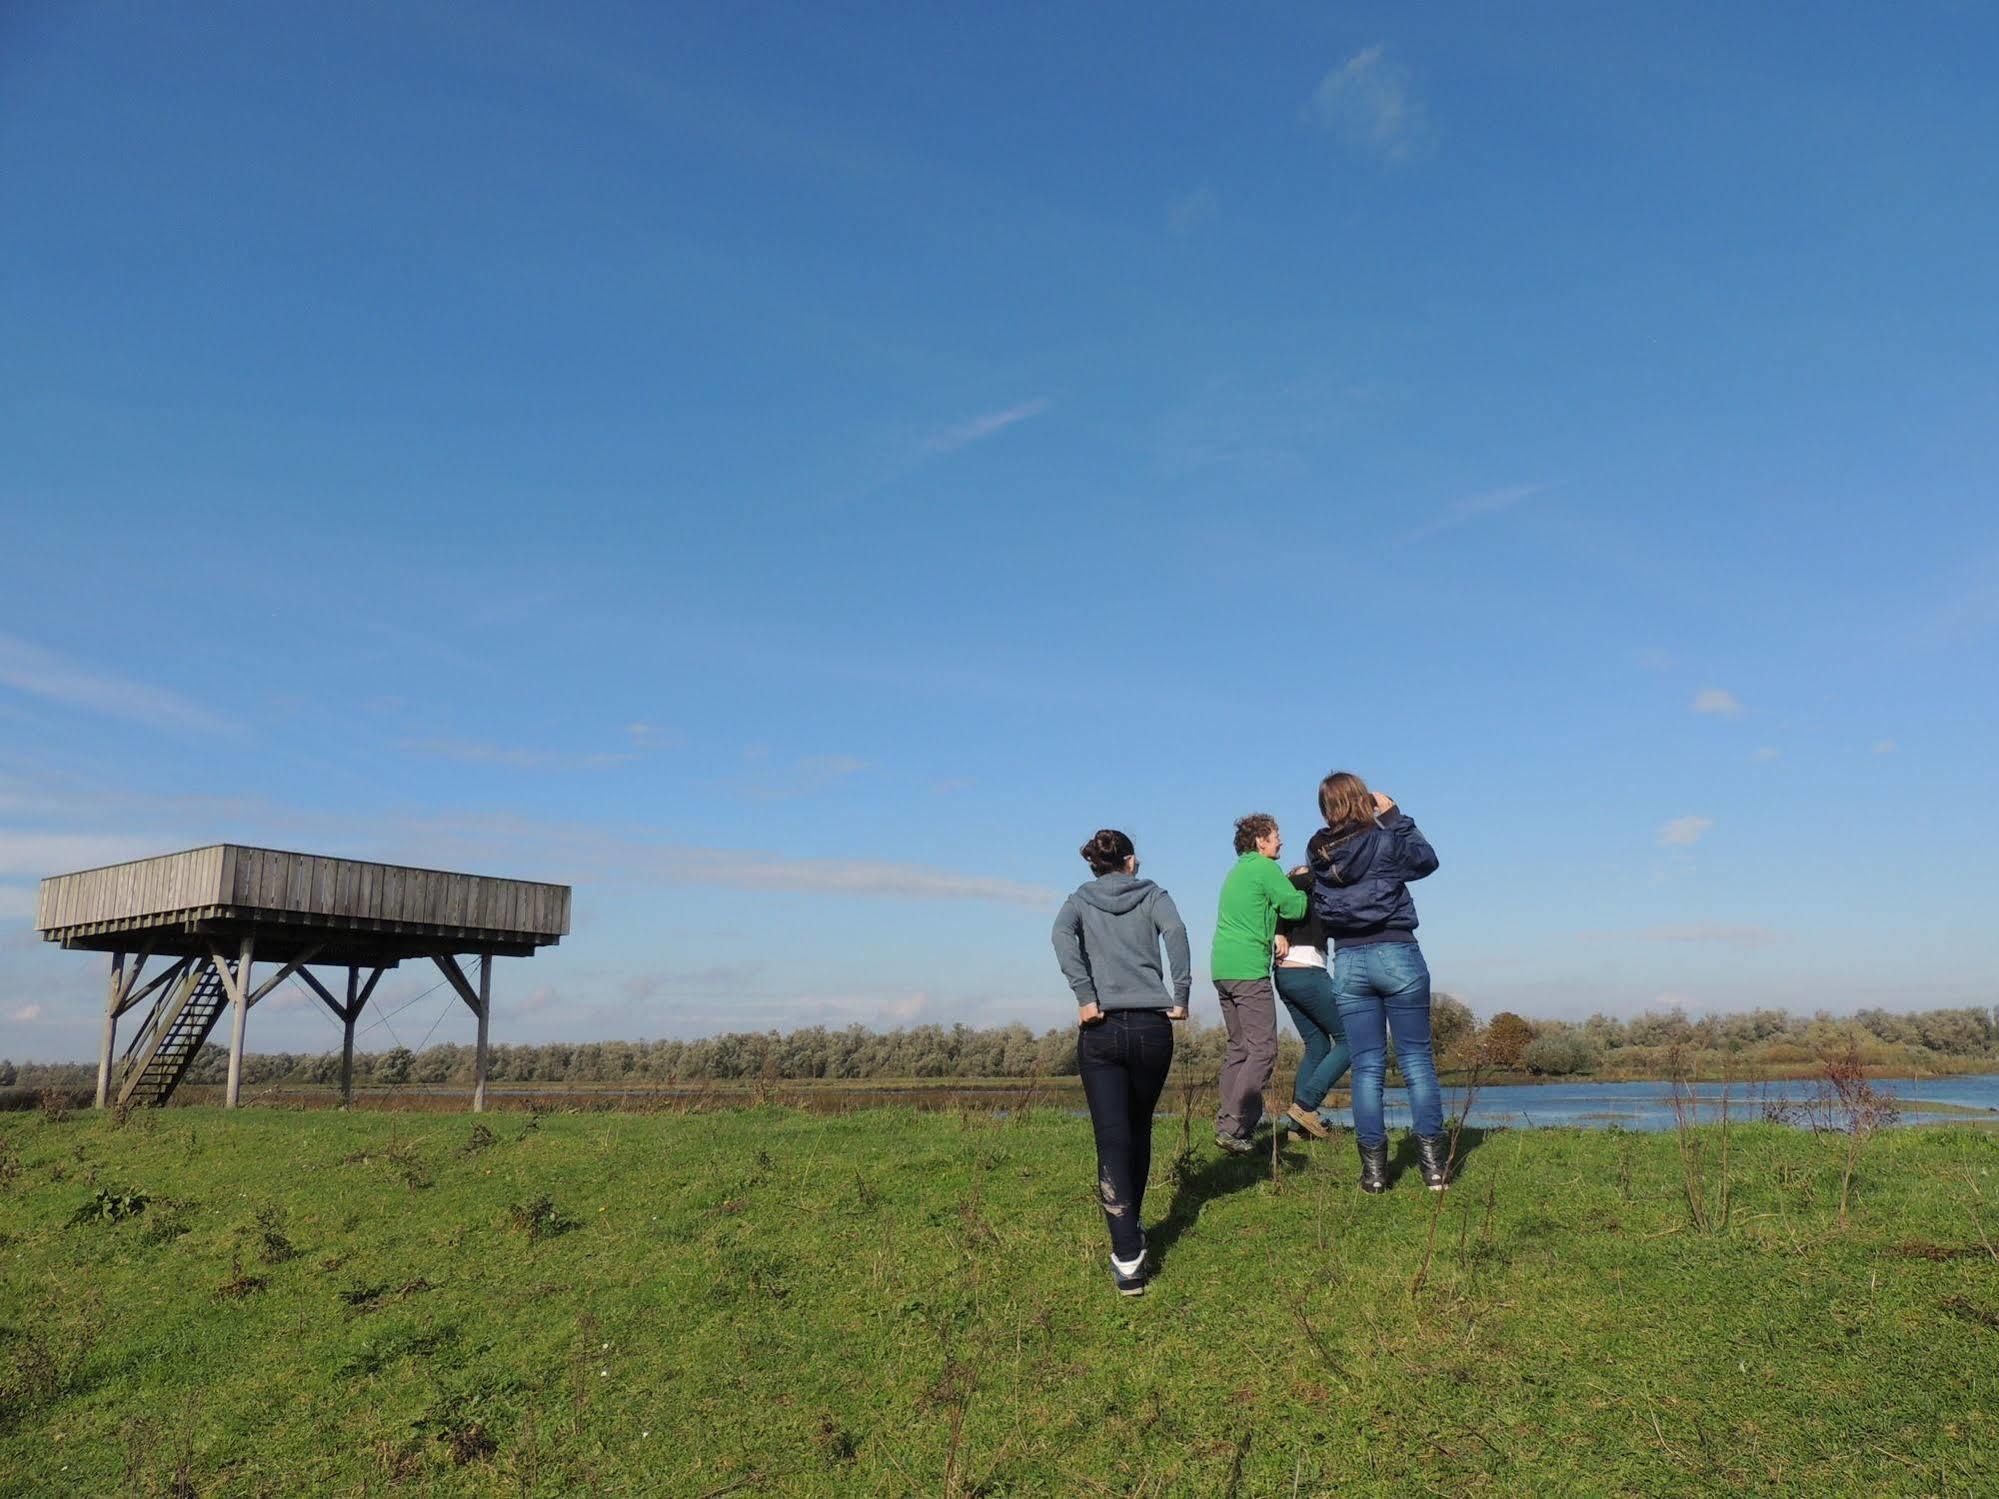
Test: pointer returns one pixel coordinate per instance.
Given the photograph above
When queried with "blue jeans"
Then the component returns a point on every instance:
(1308, 994)
(1383, 989)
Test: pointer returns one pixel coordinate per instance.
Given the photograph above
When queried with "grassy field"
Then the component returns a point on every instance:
(766, 1301)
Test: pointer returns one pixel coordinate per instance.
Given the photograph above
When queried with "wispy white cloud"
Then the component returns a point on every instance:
(640, 736)
(1491, 502)
(29, 668)
(1191, 212)
(38, 854)
(981, 427)
(587, 854)
(1767, 753)
(25, 1013)
(1885, 746)
(1733, 936)
(513, 757)
(1369, 104)
(802, 778)
(654, 736)
(1718, 701)
(1683, 832)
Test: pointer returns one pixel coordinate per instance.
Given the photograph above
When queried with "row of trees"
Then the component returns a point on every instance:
(1652, 1044)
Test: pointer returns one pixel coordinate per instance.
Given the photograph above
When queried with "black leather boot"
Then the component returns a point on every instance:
(1433, 1154)
(1373, 1167)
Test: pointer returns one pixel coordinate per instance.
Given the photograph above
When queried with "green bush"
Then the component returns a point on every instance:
(1559, 1055)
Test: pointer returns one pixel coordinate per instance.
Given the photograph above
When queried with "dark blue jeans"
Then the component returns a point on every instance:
(1123, 1060)
(1384, 989)
(1308, 994)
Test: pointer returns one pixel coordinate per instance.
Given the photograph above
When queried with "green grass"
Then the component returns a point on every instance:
(895, 1302)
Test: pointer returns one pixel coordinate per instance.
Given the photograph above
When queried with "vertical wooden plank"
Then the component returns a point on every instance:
(239, 997)
(117, 988)
(347, 1039)
(485, 1015)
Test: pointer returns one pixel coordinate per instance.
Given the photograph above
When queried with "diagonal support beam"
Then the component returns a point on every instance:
(312, 982)
(448, 966)
(134, 998)
(367, 992)
(122, 997)
(296, 965)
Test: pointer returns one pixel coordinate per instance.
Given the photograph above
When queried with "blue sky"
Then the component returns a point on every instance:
(794, 472)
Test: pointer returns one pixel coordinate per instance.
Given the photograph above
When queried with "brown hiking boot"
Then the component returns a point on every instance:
(1308, 1121)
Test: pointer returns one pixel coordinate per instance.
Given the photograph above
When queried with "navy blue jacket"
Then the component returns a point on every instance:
(1360, 886)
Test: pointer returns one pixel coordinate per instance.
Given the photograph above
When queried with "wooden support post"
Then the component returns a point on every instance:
(111, 1003)
(347, 1039)
(485, 1014)
(239, 995)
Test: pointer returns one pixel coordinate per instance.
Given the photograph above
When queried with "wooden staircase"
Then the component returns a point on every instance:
(165, 1045)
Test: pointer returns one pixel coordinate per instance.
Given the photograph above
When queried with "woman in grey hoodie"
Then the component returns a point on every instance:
(1107, 941)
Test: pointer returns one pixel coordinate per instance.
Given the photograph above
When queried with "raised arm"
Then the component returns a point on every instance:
(1068, 939)
(1407, 854)
(1286, 897)
(1179, 960)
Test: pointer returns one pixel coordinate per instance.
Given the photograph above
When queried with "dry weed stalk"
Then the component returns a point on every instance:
(1684, 1099)
(1472, 1082)
(1858, 1108)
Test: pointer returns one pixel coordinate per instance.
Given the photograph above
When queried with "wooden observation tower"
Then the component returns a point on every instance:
(211, 913)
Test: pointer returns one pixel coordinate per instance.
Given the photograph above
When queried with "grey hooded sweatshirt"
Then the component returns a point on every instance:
(1107, 941)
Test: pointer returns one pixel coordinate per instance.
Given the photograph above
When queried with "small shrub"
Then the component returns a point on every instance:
(539, 1218)
(457, 1423)
(480, 1139)
(110, 1205)
(273, 1248)
(10, 1162)
(407, 1162)
(1971, 1311)
(362, 1299)
(835, 1443)
(1559, 1055)
(54, 1105)
(239, 1285)
(167, 1222)
(30, 1376)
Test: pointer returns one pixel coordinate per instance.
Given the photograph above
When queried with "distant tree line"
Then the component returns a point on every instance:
(1657, 1043)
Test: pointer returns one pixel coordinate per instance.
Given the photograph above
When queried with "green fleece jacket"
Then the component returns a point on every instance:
(1254, 896)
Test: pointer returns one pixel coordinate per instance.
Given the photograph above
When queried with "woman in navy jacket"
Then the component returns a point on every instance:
(1362, 861)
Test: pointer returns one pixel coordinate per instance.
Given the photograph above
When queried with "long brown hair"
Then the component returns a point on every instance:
(1345, 803)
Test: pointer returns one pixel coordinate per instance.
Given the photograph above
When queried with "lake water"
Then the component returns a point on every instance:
(1648, 1106)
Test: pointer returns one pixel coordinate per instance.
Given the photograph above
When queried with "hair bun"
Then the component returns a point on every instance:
(1106, 851)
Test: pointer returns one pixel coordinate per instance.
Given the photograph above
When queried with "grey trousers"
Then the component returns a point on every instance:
(1249, 1011)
